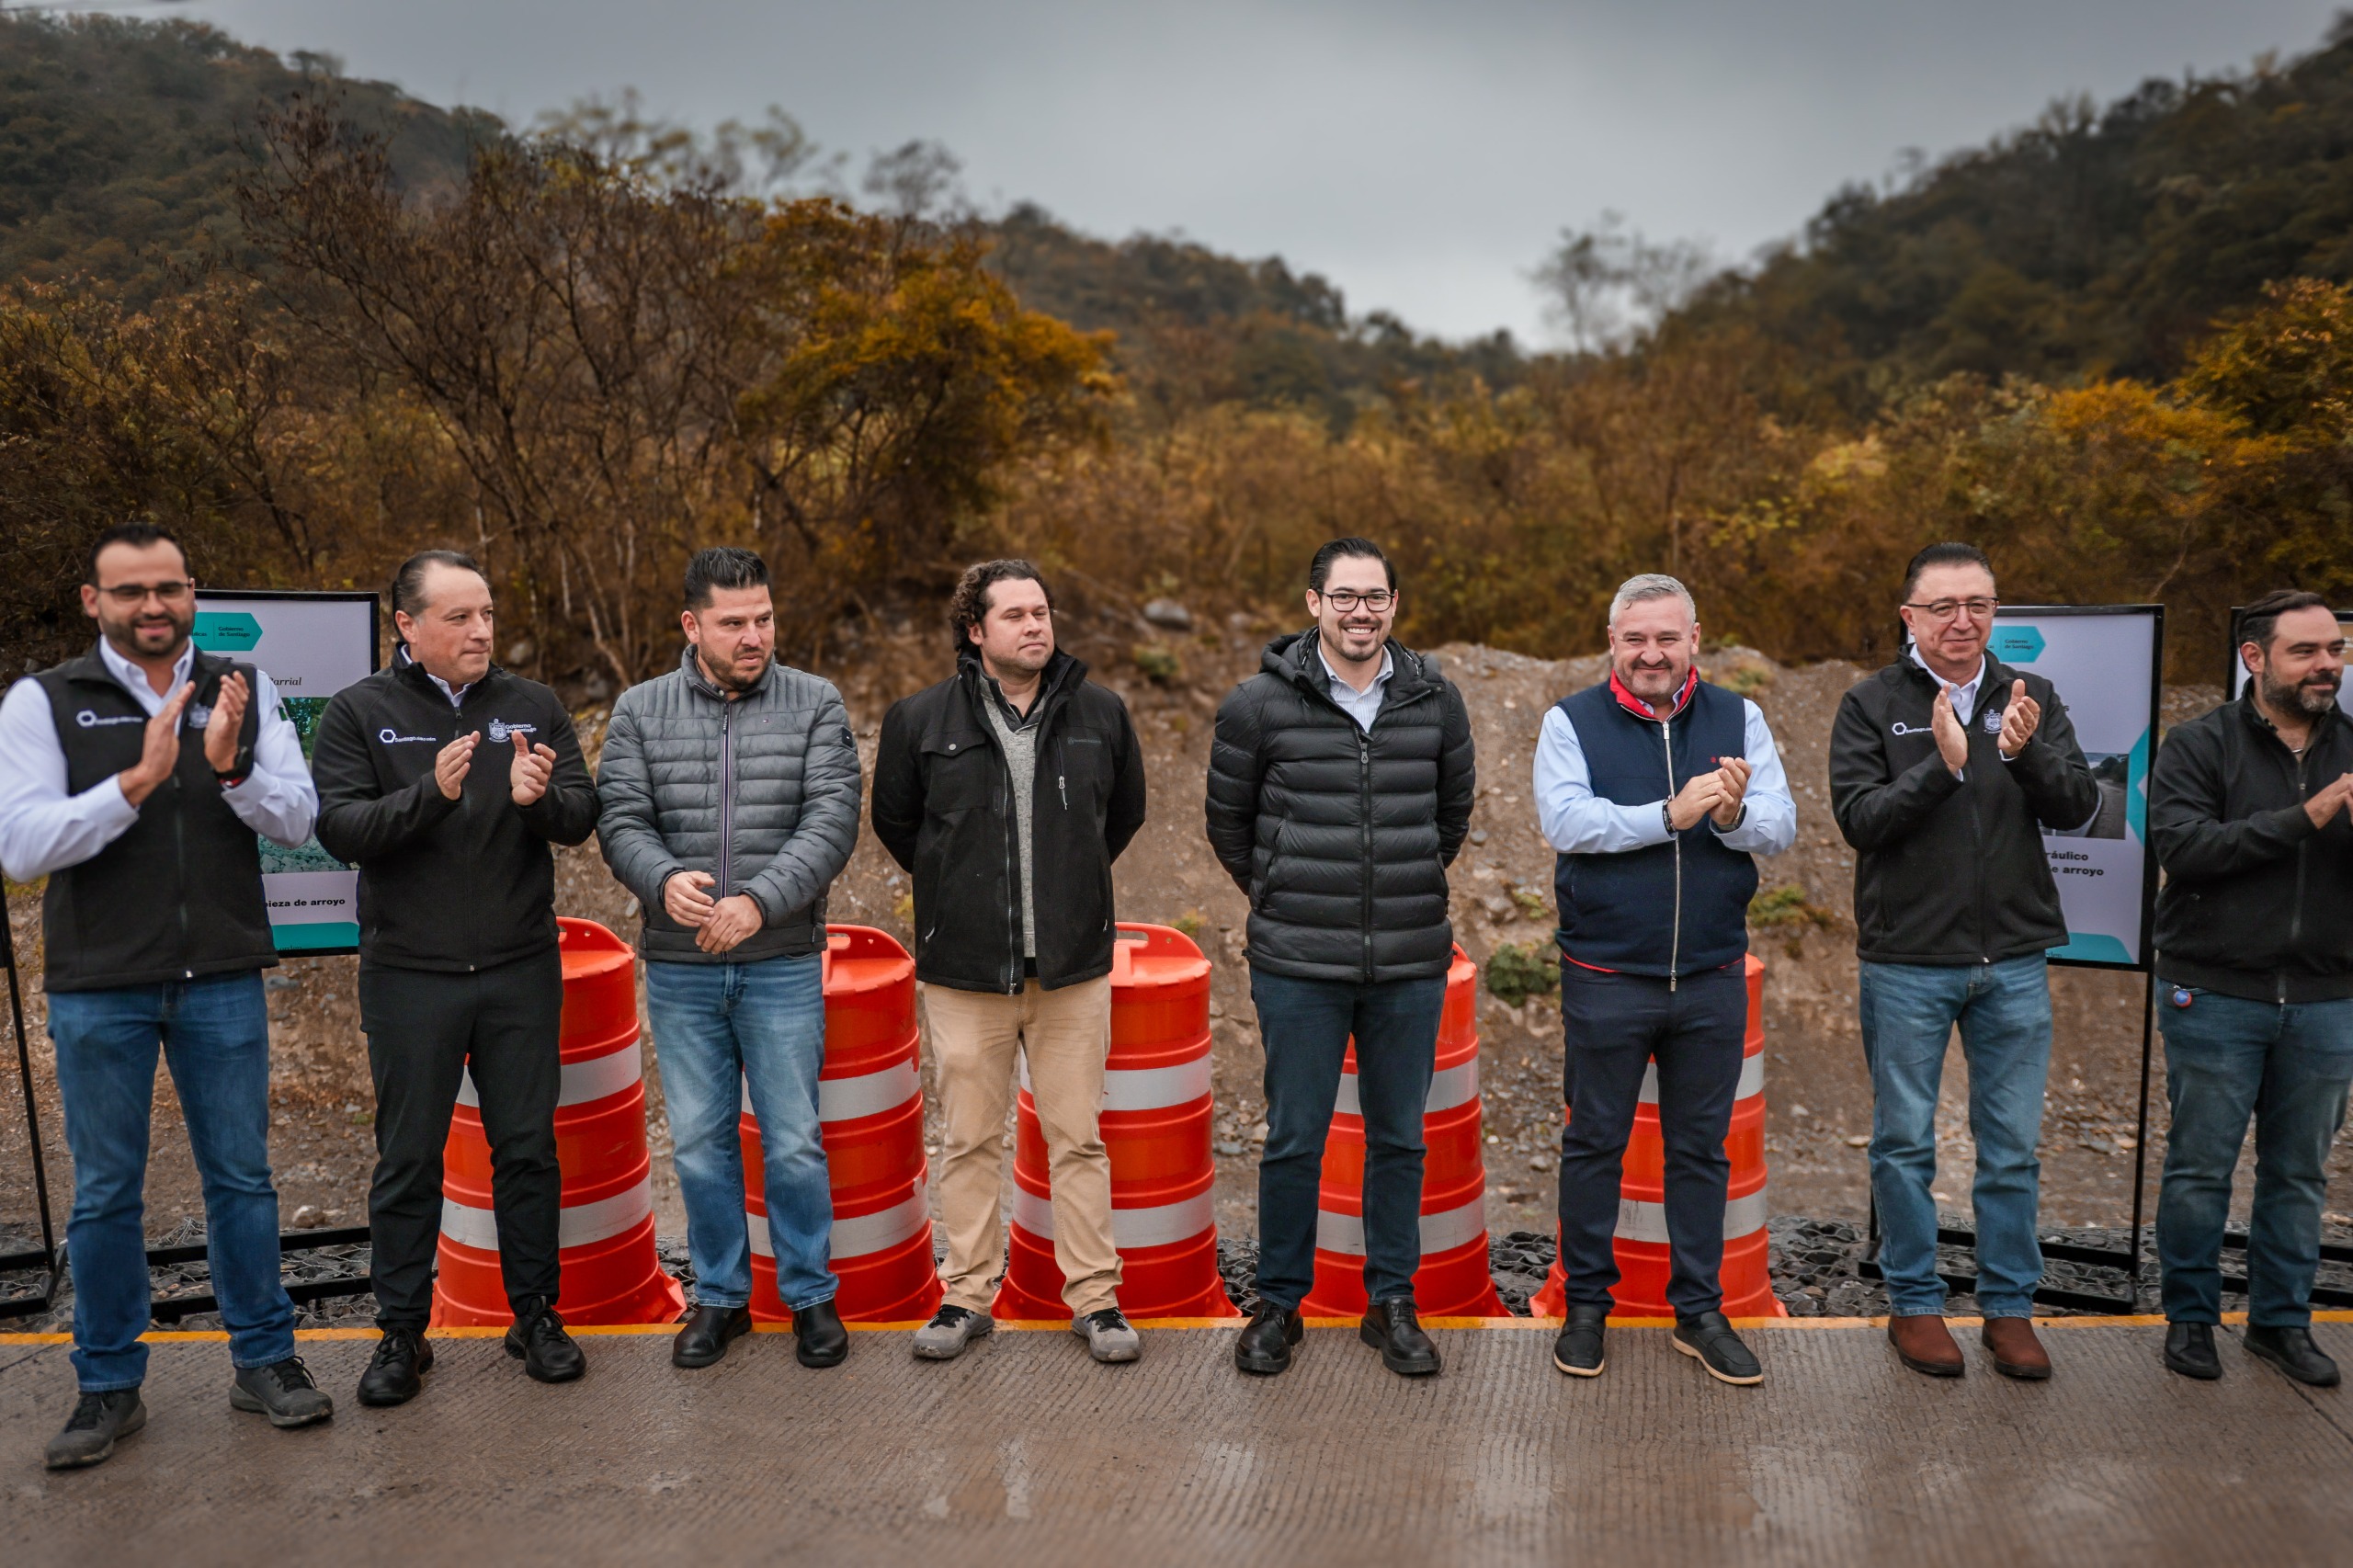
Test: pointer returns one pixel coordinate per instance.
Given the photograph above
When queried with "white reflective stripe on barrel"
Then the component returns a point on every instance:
(1639, 1221)
(1752, 1079)
(857, 1235)
(1161, 1226)
(1450, 1087)
(582, 1081)
(1442, 1232)
(1146, 1089)
(580, 1225)
(868, 1093)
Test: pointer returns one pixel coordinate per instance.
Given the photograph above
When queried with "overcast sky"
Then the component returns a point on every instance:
(1423, 156)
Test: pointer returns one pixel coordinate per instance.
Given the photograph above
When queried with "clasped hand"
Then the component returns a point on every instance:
(1718, 794)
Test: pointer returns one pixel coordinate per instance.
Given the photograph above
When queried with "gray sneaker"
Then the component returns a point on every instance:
(283, 1391)
(98, 1421)
(950, 1330)
(1110, 1336)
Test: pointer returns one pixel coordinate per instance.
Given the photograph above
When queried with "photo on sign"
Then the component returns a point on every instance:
(303, 713)
(2112, 771)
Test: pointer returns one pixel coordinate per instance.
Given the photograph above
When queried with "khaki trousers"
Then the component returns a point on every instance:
(1065, 1034)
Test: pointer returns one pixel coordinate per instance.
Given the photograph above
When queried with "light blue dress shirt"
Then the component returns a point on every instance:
(1364, 706)
(1575, 820)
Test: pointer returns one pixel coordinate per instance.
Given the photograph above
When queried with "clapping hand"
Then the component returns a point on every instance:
(1952, 741)
(1733, 778)
(533, 766)
(228, 718)
(2019, 720)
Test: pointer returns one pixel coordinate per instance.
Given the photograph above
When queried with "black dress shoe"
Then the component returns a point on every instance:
(820, 1340)
(2189, 1350)
(706, 1334)
(538, 1340)
(1388, 1327)
(2293, 1351)
(1265, 1342)
(1578, 1349)
(1708, 1339)
(395, 1373)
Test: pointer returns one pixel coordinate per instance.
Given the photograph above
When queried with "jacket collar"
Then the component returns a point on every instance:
(406, 668)
(93, 665)
(1293, 657)
(1062, 675)
(1642, 709)
(2263, 726)
(704, 684)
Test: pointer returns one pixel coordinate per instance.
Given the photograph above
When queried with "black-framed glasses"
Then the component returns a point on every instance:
(1346, 600)
(1945, 609)
(128, 595)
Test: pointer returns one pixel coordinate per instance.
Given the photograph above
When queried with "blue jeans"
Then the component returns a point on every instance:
(1306, 1025)
(720, 1028)
(214, 1034)
(2227, 1058)
(1908, 1014)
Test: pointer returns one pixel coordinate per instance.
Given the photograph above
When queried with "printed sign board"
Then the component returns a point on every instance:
(2234, 675)
(311, 646)
(2106, 660)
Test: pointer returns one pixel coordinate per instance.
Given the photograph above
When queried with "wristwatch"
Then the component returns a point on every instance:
(1666, 815)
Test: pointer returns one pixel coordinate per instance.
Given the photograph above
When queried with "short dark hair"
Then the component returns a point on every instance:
(722, 566)
(970, 603)
(1320, 568)
(138, 536)
(2261, 620)
(1949, 553)
(408, 583)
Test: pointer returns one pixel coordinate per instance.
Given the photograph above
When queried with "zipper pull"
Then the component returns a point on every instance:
(1062, 784)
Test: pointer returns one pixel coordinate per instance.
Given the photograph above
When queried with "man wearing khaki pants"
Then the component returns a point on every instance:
(1006, 791)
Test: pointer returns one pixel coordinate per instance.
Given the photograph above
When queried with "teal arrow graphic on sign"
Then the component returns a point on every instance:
(2017, 644)
(227, 630)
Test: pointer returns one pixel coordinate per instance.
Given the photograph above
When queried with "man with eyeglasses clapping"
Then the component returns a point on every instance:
(1946, 768)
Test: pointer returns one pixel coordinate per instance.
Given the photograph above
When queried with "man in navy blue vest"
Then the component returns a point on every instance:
(1656, 787)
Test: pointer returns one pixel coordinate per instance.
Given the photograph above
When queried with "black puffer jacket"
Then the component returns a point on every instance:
(2257, 901)
(944, 808)
(1342, 837)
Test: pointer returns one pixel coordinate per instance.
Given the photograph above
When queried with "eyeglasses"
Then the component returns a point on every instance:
(129, 595)
(1945, 609)
(1346, 600)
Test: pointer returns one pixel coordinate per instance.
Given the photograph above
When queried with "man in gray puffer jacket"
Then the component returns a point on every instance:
(729, 790)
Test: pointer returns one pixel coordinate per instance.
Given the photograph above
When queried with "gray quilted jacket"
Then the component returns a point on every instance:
(760, 792)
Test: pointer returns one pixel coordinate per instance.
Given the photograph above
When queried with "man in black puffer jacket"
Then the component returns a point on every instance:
(1340, 788)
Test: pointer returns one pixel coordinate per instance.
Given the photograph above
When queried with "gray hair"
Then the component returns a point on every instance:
(1651, 586)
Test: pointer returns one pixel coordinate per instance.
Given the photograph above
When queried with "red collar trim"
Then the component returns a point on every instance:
(1642, 709)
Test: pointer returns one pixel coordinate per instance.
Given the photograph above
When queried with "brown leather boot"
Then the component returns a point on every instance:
(2017, 1352)
(1923, 1344)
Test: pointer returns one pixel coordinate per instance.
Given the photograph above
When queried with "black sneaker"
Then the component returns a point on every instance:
(1708, 1339)
(2189, 1350)
(283, 1391)
(395, 1373)
(1390, 1327)
(1578, 1349)
(100, 1421)
(1265, 1345)
(2293, 1351)
(538, 1340)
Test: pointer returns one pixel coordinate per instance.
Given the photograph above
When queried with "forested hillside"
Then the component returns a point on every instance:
(313, 324)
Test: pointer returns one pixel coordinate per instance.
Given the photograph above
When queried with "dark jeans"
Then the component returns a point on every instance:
(424, 1029)
(1306, 1025)
(2227, 1058)
(215, 1035)
(1612, 1026)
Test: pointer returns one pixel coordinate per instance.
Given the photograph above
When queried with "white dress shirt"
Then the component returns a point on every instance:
(1578, 821)
(44, 829)
(1364, 706)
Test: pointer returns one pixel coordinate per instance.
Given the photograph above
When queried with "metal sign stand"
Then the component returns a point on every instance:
(50, 1257)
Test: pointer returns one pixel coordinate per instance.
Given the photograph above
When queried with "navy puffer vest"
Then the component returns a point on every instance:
(1674, 908)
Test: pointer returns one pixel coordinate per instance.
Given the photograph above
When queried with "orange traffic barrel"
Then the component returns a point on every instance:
(1156, 1124)
(1643, 1260)
(605, 1235)
(1453, 1279)
(870, 1110)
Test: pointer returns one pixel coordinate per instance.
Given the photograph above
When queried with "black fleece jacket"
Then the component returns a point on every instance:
(451, 885)
(1952, 870)
(2257, 901)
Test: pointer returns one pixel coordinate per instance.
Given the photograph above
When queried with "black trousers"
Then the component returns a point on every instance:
(1613, 1027)
(425, 1029)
